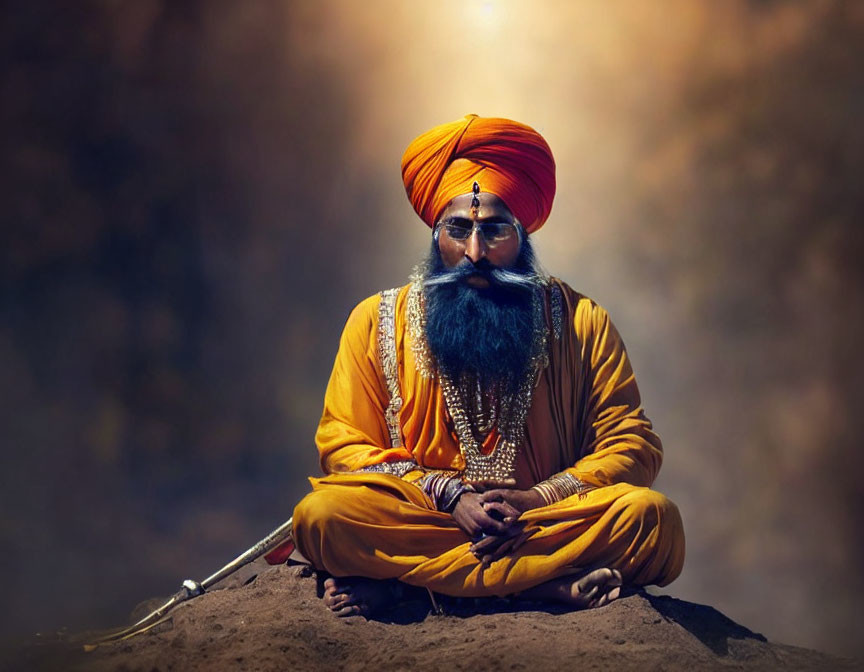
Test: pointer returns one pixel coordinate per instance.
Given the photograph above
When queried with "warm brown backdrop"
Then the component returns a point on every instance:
(196, 193)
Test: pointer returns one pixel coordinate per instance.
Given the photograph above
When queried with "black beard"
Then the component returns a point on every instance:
(485, 332)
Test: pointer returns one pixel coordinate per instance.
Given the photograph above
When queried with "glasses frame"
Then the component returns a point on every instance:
(436, 233)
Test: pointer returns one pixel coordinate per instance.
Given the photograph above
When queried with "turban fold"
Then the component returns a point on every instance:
(506, 158)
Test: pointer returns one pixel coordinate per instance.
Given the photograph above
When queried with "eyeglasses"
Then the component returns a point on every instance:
(493, 233)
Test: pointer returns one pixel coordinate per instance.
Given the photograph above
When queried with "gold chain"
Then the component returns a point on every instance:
(512, 408)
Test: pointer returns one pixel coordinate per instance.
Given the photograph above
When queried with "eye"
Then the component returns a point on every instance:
(457, 232)
(495, 230)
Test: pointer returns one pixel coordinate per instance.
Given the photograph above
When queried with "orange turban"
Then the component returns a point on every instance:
(506, 158)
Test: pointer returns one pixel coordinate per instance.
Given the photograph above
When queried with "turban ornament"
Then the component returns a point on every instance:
(509, 159)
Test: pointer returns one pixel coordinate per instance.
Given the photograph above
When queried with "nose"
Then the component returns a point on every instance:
(475, 247)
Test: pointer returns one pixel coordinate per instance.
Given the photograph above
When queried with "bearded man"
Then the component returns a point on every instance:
(482, 433)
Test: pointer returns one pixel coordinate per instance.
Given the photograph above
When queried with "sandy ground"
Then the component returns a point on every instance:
(275, 621)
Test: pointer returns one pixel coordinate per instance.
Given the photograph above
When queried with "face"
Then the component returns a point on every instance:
(460, 237)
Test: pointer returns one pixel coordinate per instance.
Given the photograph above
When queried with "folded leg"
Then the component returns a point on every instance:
(379, 526)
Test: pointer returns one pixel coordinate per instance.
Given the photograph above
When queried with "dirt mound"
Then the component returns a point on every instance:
(275, 621)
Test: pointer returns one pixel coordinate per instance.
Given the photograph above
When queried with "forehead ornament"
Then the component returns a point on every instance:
(475, 202)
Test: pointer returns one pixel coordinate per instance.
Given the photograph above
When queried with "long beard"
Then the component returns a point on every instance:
(485, 333)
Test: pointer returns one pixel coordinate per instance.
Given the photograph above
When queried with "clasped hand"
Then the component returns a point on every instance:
(490, 517)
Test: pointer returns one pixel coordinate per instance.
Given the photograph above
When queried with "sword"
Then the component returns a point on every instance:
(192, 589)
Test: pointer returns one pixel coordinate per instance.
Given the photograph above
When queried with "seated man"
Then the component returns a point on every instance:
(482, 432)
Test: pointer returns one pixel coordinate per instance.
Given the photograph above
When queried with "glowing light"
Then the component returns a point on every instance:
(487, 18)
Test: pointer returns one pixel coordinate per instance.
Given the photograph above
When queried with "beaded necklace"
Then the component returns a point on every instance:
(492, 406)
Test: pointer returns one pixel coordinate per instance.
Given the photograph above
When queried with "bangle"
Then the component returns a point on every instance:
(443, 490)
(560, 486)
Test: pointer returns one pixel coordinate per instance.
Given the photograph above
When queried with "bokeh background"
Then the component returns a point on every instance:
(196, 193)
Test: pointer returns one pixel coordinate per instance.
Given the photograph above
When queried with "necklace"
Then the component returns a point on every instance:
(505, 410)
(485, 404)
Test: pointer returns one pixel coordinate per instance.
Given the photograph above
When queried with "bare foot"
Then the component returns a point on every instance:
(358, 596)
(592, 589)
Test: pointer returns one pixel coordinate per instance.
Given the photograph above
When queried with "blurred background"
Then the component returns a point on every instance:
(196, 193)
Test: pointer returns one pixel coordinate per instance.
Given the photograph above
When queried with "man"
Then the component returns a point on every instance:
(482, 432)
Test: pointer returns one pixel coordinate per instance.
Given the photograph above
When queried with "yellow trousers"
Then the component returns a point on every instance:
(379, 526)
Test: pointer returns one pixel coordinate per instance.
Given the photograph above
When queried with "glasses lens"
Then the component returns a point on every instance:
(495, 232)
(457, 232)
(491, 232)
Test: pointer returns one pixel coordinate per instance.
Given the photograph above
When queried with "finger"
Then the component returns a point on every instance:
(488, 525)
(503, 509)
(489, 554)
(511, 543)
(496, 510)
(467, 526)
(491, 484)
(476, 520)
(485, 545)
(521, 539)
(494, 527)
(488, 544)
(503, 549)
(496, 495)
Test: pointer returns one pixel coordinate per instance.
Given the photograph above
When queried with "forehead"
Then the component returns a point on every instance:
(490, 207)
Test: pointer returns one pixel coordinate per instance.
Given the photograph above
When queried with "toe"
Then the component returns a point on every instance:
(344, 606)
(350, 610)
(598, 576)
(335, 602)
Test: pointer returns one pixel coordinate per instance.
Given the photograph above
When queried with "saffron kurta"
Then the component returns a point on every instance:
(585, 417)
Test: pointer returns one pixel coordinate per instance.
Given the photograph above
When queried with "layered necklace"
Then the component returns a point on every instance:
(477, 407)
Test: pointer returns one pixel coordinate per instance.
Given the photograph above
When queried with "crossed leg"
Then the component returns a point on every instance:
(362, 527)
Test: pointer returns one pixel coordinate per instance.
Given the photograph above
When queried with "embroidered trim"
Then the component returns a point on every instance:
(398, 468)
(389, 365)
(556, 300)
(416, 318)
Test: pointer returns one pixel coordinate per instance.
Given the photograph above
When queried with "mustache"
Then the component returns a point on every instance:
(501, 277)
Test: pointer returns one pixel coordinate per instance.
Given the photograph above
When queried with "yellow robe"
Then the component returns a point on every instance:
(585, 418)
